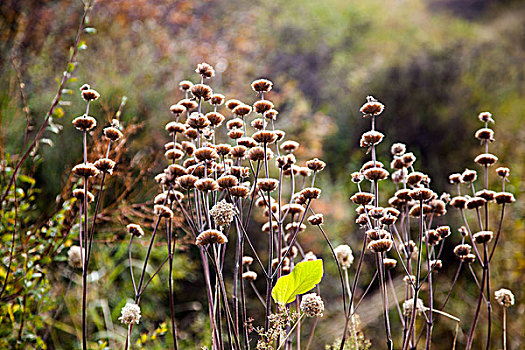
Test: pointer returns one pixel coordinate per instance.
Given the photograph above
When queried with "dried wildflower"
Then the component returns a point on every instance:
(280, 134)
(295, 227)
(197, 121)
(356, 177)
(262, 106)
(112, 133)
(249, 276)
(504, 297)
(311, 193)
(215, 118)
(79, 195)
(262, 85)
(409, 159)
(242, 110)
(312, 305)
(372, 107)
(433, 237)
(177, 109)
(415, 211)
(483, 237)
(239, 191)
(459, 202)
(258, 123)
(409, 280)
(173, 154)
(455, 178)
(371, 164)
(485, 134)
(205, 70)
(469, 176)
(84, 123)
(375, 174)
(290, 146)
(371, 138)
(206, 154)
(381, 245)
(239, 152)
(223, 213)
(388, 219)
(267, 228)
(85, 87)
(344, 256)
(486, 159)
(217, 99)
(163, 211)
(227, 181)
(85, 170)
(105, 165)
(185, 85)
(267, 184)
(397, 163)
(475, 202)
(304, 171)
(206, 185)
(421, 194)
(74, 256)
(438, 207)
(487, 195)
(130, 314)
(247, 260)
(443, 231)
(247, 142)
(90, 94)
(485, 117)
(389, 264)
(398, 149)
(469, 258)
(271, 114)
(503, 171)
(377, 234)
(265, 136)
(415, 178)
(316, 219)
(188, 147)
(376, 212)
(462, 249)
(135, 230)
(315, 165)
(292, 209)
(211, 237)
(189, 104)
(504, 198)
(176, 170)
(201, 91)
(408, 307)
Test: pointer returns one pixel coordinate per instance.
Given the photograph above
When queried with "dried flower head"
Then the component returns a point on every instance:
(262, 85)
(205, 70)
(455, 178)
(265, 136)
(105, 165)
(315, 164)
(357, 177)
(486, 159)
(85, 170)
(389, 264)
(421, 194)
(239, 191)
(217, 99)
(177, 109)
(84, 123)
(371, 138)
(375, 174)
(189, 104)
(271, 114)
(311, 193)
(312, 305)
(469, 176)
(223, 213)
(130, 314)
(485, 134)
(242, 110)
(211, 237)
(398, 149)
(459, 202)
(247, 260)
(112, 133)
(74, 256)
(135, 230)
(267, 184)
(290, 146)
(483, 237)
(485, 117)
(206, 185)
(215, 118)
(462, 249)
(249, 276)
(90, 94)
(79, 195)
(344, 255)
(372, 107)
(504, 198)
(381, 245)
(316, 219)
(443, 231)
(201, 91)
(262, 106)
(475, 202)
(408, 307)
(163, 211)
(504, 297)
(185, 85)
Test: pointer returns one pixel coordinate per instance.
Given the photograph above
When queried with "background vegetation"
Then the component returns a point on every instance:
(434, 64)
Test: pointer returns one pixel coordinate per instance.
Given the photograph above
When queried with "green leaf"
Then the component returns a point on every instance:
(70, 67)
(305, 276)
(27, 179)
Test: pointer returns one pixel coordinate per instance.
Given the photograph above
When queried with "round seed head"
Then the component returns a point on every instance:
(504, 198)
(459, 202)
(135, 230)
(504, 297)
(217, 99)
(206, 185)
(74, 256)
(215, 118)
(247, 260)
(316, 219)
(202, 91)
(262, 106)
(311, 193)
(185, 85)
(189, 104)
(372, 107)
(205, 70)
(242, 110)
(79, 195)
(475, 202)
(90, 94)
(375, 174)
(485, 134)
(271, 114)
(206, 154)
(231, 104)
(105, 165)
(249, 276)
(85, 170)
(259, 123)
(483, 237)
(485, 117)
(503, 171)
(163, 211)
(421, 194)
(486, 159)
(389, 264)
(312, 305)
(469, 176)
(290, 146)
(344, 256)
(112, 133)
(371, 138)
(239, 191)
(223, 213)
(469, 258)
(211, 237)
(443, 231)
(462, 250)
(381, 245)
(262, 85)
(85, 123)
(265, 136)
(177, 109)
(409, 159)
(398, 149)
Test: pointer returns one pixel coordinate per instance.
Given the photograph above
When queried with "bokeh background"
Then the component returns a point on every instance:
(435, 64)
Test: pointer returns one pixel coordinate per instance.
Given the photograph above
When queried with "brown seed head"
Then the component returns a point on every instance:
(177, 109)
(459, 202)
(504, 198)
(135, 230)
(315, 165)
(377, 234)
(375, 174)
(398, 149)
(316, 219)
(485, 134)
(469, 176)
(174, 154)
(483, 237)
(239, 191)
(90, 94)
(455, 178)
(187, 181)
(485, 117)
(206, 185)
(271, 114)
(79, 195)
(389, 264)
(215, 118)
(185, 85)
(487, 195)
(85, 123)
(436, 265)
(217, 99)
(372, 107)
(290, 146)
(242, 110)
(475, 202)
(231, 104)
(112, 133)
(163, 211)
(380, 246)
(409, 159)
(262, 106)
(267, 185)
(206, 154)
(503, 171)
(211, 237)
(462, 249)
(258, 123)
(443, 231)
(262, 85)
(433, 237)
(371, 138)
(249, 276)
(247, 260)
(362, 198)
(189, 104)
(105, 165)
(205, 70)
(85, 170)
(486, 159)
(202, 91)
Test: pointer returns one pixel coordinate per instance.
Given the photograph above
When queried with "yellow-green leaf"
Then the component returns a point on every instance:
(305, 276)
